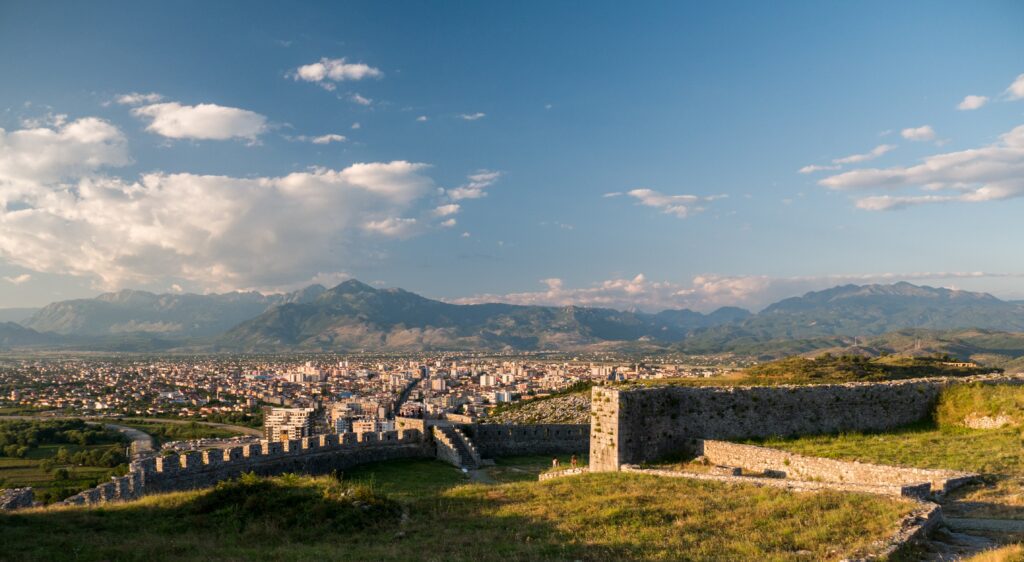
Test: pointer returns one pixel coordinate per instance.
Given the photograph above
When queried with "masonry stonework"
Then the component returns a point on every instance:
(497, 440)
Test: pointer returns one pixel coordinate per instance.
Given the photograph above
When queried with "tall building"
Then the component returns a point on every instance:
(282, 424)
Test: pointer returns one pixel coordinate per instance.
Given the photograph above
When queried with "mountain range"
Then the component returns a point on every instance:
(354, 316)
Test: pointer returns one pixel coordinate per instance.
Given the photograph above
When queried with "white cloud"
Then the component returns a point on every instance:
(702, 292)
(394, 227)
(45, 154)
(136, 98)
(422, 118)
(811, 168)
(18, 279)
(204, 121)
(681, 206)
(465, 235)
(448, 223)
(612, 194)
(356, 126)
(356, 98)
(922, 133)
(856, 158)
(972, 102)
(446, 210)
(472, 116)
(327, 71)
(61, 213)
(328, 139)
(988, 173)
(475, 188)
(1016, 90)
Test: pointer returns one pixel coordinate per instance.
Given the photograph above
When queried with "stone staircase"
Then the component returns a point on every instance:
(455, 448)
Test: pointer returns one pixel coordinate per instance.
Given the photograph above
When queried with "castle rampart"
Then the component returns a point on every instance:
(197, 469)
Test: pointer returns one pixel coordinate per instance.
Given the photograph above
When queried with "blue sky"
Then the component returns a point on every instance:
(269, 146)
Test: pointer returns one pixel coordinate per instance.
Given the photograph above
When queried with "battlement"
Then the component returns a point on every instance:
(311, 455)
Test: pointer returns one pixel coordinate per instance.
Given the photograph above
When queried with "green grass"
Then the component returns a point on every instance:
(978, 400)
(610, 516)
(993, 451)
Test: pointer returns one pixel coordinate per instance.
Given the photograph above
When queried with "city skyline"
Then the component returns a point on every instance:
(666, 156)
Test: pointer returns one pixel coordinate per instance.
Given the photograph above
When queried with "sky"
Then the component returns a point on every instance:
(633, 155)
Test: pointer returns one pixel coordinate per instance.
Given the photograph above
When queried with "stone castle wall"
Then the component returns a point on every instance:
(496, 440)
(783, 464)
(312, 455)
(637, 425)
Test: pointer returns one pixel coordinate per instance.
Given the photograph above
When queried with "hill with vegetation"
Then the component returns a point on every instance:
(828, 368)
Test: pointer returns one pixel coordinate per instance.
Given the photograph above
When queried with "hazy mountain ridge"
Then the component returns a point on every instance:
(168, 315)
(356, 316)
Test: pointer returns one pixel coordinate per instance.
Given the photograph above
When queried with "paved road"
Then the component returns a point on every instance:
(142, 443)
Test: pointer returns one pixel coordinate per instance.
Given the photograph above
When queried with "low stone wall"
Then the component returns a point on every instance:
(311, 455)
(791, 465)
(14, 498)
(560, 473)
(644, 424)
(496, 440)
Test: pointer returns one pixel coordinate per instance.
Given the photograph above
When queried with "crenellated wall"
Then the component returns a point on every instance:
(496, 440)
(632, 425)
(312, 455)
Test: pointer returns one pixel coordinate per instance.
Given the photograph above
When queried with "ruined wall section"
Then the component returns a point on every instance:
(311, 455)
(497, 440)
(643, 424)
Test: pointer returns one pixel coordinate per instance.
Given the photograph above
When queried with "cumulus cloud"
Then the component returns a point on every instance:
(205, 121)
(395, 227)
(1016, 90)
(972, 102)
(989, 173)
(446, 210)
(682, 206)
(136, 98)
(43, 154)
(422, 118)
(923, 133)
(871, 155)
(326, 72)
(476, 186)
(61, 212)
(472, 116)
(356, 98)
(448, 223)
(703, 292)
(18, 279)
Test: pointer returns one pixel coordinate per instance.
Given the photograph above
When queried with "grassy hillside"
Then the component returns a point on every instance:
(998, 454)
(436, 517)
(828, 368)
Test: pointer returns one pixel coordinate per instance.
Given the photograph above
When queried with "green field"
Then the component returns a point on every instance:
(166, 431)
(424, 510)
(58, 457)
